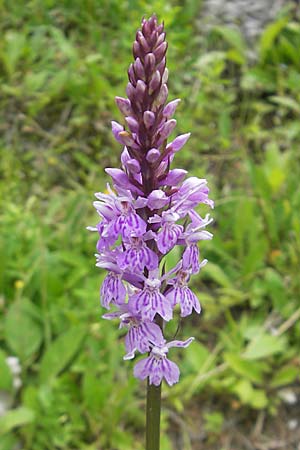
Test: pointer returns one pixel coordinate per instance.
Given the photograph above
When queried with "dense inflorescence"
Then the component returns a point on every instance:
(149, 211)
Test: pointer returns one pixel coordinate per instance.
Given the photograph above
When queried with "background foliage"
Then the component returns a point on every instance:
(61, 64)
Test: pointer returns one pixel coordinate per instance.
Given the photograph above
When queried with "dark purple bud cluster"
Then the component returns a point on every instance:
(147, 116)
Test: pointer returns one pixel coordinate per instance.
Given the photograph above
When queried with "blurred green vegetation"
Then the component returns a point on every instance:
(61, 64)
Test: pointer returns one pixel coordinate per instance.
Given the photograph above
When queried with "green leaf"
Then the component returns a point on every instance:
(61, 352)
(232, 36)
(274, 286)
(8, 442)
(195, 357)
(247, 369)
(270, 34)
(22, 330)
(213, 422)
(16, 418)
(287, 102)
(243, 389)
(254, 397)
(264, 345)
(284, 376)
(95, 394)
(6, 375)
(217, 274)
(259, 399)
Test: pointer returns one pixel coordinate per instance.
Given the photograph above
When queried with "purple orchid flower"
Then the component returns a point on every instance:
(150, 209)
(142, 334)
(137, 255)
(157, 366)
(150, 301)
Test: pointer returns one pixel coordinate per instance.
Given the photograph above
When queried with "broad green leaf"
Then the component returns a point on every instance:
(287, 102)
(285, 375)
(95, 393)
(6, 375)
(225, 124)
(61, 352)
(270, 34)
(166, 443)
(247, 369)
(171, 258)
(8, 442)
(259, 399)
(248, 395)
(289, 50)
(244, 390)
(121, 439)
(210, 58)
(274, 286)
(213, 422)
(218, 275)
(15, 44)
(22, 329)
(195, 357)
(232, 36)
(264, 345)
(16, 418)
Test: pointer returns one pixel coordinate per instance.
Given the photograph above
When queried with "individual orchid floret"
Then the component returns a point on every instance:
(120, 216)
(112, 290)
(158, 367)
(192, 192)
(169, 233)
(182, 295)
(137, 255)
(193, 234)
(142, 335)
(157, 199)
(150, 301)
(173, 178)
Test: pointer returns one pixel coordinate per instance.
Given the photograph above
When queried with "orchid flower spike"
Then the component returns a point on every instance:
(150, 209)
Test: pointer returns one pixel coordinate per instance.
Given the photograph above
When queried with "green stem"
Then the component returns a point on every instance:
(153, 416)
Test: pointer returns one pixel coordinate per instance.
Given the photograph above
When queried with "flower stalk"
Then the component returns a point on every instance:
(149, 211)
(153, 410)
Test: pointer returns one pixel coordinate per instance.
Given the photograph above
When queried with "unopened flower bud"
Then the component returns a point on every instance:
(133, 165)
(136, 49)
(167, 129)
(170, 108)
(153, 155)
(124, 105)
(133, 124)
(163, 95)
(165, 76)
(160, 51)
(126, 138)
(149, 62)
(154, 82)
(140, 90)
(130, 91)
(139, 69)
(149, 118)
(142, 41)
(178, 142)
